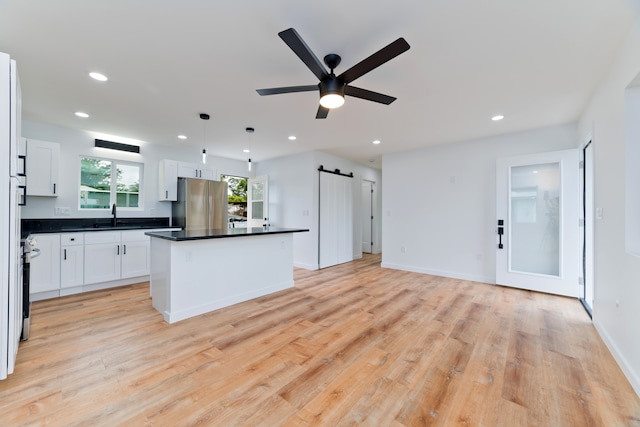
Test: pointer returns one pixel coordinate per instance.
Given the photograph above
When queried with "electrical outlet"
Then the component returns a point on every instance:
(62, 211)
(403, 249)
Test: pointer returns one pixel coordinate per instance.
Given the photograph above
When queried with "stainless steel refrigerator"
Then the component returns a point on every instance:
(201, 204)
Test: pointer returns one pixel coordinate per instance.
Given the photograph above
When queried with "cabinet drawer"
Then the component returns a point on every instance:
(102, 237)
(134, 236)
(71, 239)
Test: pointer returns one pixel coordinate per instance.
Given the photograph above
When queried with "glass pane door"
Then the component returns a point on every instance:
(258, 202)
(537, 233)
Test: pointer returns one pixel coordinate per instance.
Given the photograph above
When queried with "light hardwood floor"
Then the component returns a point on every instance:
(353, 344)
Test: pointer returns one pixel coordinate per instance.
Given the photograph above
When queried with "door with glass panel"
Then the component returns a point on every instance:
(258, 202)
(537, 222)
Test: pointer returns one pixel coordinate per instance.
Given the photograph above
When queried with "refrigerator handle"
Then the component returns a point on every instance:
(23, 195)
(24, 166)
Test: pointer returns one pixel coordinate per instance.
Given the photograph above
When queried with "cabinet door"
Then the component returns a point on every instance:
(135, 259)
(208, 173)
(45, 269)
(71, 266)
(102, 262)
(188, 170)
(42, 168)
(168, 180)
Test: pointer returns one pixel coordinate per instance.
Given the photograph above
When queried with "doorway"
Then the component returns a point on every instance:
(236, 200)
(368, 204)
(587, 287)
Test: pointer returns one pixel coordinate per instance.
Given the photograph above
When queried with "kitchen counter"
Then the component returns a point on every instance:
(197, 271)
(180, 236)
(73, 225)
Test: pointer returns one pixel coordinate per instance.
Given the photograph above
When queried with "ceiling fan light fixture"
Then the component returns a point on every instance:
(332, 100)
(331, 93)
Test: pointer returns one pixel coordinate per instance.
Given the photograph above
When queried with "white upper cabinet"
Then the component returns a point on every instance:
(194, 170)
(42, 168)
(168, 180)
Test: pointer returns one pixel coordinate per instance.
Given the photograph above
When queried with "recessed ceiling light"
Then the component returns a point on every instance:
(81, 114)
(535, 171)
(182, 136)
(292, 138)
(376, 142)
(498, 117)
(98, 76)
(246, 150)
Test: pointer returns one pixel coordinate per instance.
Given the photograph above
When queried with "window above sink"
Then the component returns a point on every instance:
(104, 182)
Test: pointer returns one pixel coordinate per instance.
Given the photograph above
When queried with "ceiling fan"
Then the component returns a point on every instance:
(333, 88)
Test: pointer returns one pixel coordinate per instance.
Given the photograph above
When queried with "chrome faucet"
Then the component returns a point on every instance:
(114, 221)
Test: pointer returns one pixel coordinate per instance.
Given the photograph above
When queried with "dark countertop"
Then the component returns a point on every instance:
(74, 225)
(183, 235)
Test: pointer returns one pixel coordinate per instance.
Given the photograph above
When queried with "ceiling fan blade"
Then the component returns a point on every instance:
(322, 112)
(385, 54)
(288, 89)
(300, 48)
(368, 95)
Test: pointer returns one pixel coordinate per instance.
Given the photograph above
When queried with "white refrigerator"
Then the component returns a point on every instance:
(11, 192)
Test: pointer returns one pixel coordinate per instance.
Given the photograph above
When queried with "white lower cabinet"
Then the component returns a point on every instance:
(78, 262)
(136, 255)
(101, 257)
(45, 269)
(113, 255)
(71, 260)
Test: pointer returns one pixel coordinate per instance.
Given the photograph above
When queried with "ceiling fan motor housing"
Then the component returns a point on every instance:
(331, 85)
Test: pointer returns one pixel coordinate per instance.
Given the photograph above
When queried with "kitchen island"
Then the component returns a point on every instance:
(197, 271)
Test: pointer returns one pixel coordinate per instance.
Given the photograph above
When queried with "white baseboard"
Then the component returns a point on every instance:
(305, 266)
(441, 273)
(626, 367)
(176, 316)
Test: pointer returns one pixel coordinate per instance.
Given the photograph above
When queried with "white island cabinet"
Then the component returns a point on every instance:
(196, 271)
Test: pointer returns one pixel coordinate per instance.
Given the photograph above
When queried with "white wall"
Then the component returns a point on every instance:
(616, 308)
(291, 202)
(439, 204)
(74, 144)
(294, 195)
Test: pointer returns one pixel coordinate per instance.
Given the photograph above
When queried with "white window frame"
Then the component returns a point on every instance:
(113, 192)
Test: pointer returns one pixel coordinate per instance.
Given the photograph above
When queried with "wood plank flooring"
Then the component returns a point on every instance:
(351, 345)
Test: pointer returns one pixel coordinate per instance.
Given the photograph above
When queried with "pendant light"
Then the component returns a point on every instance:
(250, 132)
(204, 117)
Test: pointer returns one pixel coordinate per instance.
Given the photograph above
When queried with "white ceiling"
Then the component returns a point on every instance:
(536, 62)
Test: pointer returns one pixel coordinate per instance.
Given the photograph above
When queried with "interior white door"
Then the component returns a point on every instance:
(258, 201)
(537, 202)
(336, 220)
(367, 216)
